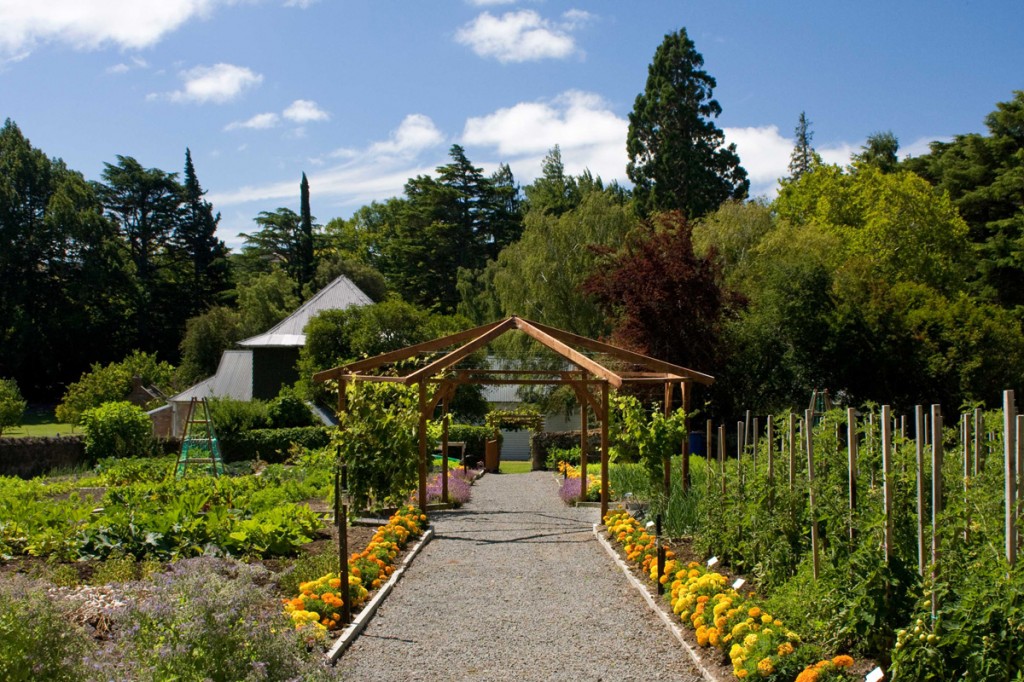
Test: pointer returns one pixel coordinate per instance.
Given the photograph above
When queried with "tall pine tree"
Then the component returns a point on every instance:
(306, 267)
(196, 241)
(677, 156)
(803, 158)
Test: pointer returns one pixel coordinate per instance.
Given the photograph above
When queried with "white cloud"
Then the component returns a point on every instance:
(922, 146)
(218, 83)
(589, 134)
(257, 122)
(490, 3)
(764, 153)
(517, 37)
(414, 134)
(301, 4)
(91, 24)
(125, 67)
(304, 111)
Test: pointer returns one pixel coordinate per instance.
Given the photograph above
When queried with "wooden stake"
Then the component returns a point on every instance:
(771, 454)
(423, 447)
(1010, 470)
(792, 452)
(604, 449)
(739, 453)
(919, 440)
(444, 455)
(978, 456)
(721, 456)
(753, 439)
(810, 485)
(585, 441)
(851, 438)
(887, 479)
(684, 470)
(965, 432)
(936, 497)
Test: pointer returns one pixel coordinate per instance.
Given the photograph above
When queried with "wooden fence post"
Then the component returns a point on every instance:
(1010, 451)
(851, 438)
(808, 430)
(936, 497)
(919, 438)
(753, 439)
(887, 479)
(771, 464)
(739, 454)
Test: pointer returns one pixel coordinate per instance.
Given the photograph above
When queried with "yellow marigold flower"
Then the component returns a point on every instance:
(750, 640)
(702, 636)
(754, 612)
(721, 621)
(741, 673)
(736, 650)
(843, 661)
(765, 667)
(785, 649)
(766, 619)
(713, 636)
(808, 675)
(777, 623)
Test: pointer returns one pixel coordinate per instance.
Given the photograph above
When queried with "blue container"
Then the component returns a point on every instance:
(697, 445)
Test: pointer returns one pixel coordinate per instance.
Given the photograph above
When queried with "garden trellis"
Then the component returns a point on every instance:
(594, 376)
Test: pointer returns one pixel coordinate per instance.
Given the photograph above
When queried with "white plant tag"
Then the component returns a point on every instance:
(875, 675)
(712, 562)
(740, 582)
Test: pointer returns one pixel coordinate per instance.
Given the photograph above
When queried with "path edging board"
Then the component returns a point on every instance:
(642, 589)
(359, 623)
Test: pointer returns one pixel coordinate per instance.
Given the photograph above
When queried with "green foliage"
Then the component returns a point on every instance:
(231, 417)
(541, 275)
(118, 471)
(475, 438)
(37, 641)
(653, 435)
(207, 336)
(678, 159)
(112, 383)
(271, 445)
(378, 439)
(264, 300)
(288, 410)
(117, 429)
(12, 405)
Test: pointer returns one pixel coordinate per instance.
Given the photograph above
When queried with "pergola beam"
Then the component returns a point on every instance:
(577, 358)
(460, 353)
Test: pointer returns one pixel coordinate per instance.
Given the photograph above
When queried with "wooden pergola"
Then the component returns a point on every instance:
(591, 381)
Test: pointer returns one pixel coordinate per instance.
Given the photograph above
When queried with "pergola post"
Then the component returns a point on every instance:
(667, 463)
(423, 446)
(583, 439)
(684, 387)
(444, 455)
(604, 450)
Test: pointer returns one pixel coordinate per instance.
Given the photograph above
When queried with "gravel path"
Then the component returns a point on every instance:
(514, 587)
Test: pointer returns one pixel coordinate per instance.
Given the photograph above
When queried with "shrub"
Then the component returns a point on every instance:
(542, 443)
(475, 438)
(288, 410)
(232, 416)
(117, 430)
(111, 383)
(37, 641)
(12, 405)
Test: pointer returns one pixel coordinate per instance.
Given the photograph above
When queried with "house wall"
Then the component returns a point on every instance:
(273, 368)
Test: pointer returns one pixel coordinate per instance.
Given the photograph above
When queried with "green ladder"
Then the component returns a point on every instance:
(199, 445)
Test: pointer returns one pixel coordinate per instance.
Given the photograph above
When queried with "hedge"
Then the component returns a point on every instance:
(542, 442)
(272, 445)
(475, 438)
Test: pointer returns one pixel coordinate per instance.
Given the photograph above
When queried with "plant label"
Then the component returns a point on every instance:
(875, 675)
(712, 562)
(740, 582)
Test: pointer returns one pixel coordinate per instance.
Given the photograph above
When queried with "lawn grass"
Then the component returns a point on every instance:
(39, 422)
(507, 467)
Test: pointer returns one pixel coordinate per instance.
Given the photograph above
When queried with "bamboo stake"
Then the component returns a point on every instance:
(887, 479)
(808, 431)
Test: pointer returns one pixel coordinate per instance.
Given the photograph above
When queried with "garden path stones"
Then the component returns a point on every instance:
(514, 587)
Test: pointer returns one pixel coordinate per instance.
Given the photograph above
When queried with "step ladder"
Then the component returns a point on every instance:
(199, 447)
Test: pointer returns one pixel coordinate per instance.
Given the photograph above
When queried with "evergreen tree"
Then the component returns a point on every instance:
(306, 267)
(803, 158)
(553, 192)
(677, 156)
(195, 238)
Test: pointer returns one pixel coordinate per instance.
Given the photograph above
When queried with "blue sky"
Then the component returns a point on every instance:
(363, 95)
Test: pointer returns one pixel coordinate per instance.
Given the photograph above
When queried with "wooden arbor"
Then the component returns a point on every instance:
(591, 381)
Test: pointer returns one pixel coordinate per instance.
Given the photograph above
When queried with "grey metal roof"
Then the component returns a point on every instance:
(232, 380)
(338, 295)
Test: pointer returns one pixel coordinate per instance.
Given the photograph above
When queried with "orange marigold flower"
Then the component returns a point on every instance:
(843, 661)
